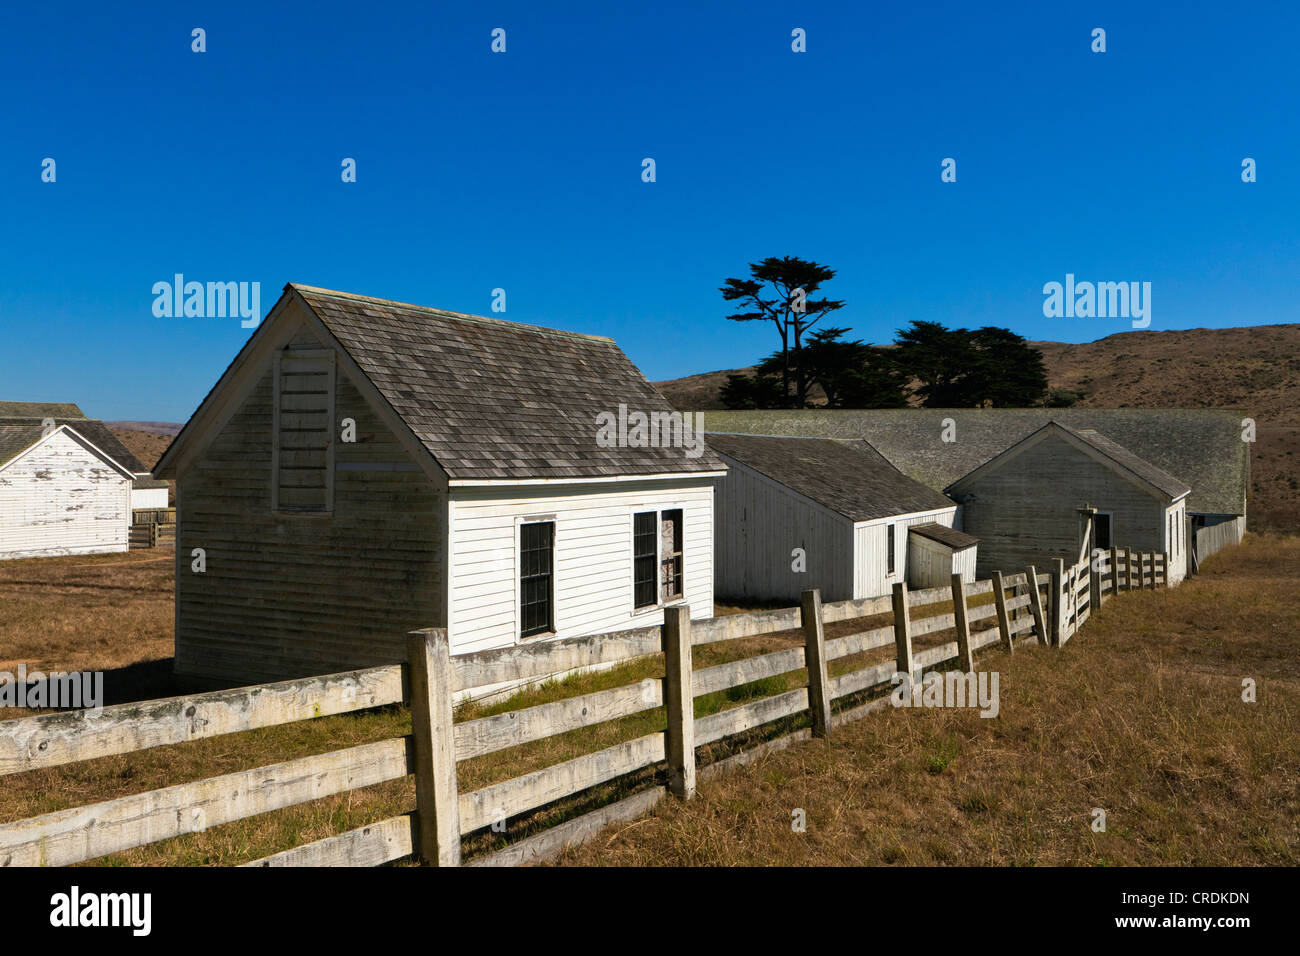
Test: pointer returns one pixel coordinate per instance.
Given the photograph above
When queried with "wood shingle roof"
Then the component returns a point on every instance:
(491, 399)
(849, 477)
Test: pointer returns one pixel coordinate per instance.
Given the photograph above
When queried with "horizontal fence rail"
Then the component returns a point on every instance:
(1009, 610)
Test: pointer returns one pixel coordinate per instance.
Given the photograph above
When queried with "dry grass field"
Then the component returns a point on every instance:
(1141, 715)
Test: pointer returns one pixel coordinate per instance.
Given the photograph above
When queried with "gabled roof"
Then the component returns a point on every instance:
(1201, 446)
(39, 410)
(1118, 457)
(93, 430)
(850, 478)
(954, 539)
(489, 399)
(16, 440)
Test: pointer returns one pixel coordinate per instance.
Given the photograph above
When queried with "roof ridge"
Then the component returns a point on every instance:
(443, 313)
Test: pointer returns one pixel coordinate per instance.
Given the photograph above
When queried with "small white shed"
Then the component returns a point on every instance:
(798, 513)
(936, 552)
(60, 494)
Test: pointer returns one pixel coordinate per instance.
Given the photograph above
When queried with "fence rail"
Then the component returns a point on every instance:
(1025, 607)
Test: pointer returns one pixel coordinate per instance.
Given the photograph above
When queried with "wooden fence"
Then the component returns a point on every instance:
(151, 526)
(1025, 608)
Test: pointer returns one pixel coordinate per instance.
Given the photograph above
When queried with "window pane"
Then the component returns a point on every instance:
(643, 559)
(536, 554)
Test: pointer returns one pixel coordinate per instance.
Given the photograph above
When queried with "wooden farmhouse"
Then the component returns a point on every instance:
(1026, 505)
(1202, 447)
(60, 494)
(366, 467)
(797, 513)
(146, 490)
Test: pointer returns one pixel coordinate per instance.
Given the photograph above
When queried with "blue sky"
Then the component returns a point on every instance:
(522, 170)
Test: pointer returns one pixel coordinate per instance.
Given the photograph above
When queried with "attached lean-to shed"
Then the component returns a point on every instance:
(936, 552)
(797, 513)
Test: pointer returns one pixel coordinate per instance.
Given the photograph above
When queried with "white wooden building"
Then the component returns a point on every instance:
(60, 494)
(367, 467)
(1027, 504)
(936, 552)
(146, 491)
(797, 513)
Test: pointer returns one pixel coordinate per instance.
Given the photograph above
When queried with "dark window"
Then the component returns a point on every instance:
(644, 556)
(536, 560)
(1101, 532)
(670, 554)
(889, 548)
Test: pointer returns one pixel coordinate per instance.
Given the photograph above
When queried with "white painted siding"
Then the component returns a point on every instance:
(593, 556)
(871, 575)
(148, 498)
(61, 498)
(931, 564)
(1176, 545)
(760, 523)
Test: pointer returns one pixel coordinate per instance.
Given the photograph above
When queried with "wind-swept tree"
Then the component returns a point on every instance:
(780, 291)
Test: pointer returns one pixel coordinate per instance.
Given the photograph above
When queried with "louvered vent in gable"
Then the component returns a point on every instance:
(303, 439)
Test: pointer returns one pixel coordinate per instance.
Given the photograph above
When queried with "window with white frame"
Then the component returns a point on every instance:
(536, 578)
(657, 557)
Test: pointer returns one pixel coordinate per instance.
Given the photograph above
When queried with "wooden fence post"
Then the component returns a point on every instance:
(1114, 571)
(902, 629)
(1148, 558)
(1164, 569)
(1094, 584)
(961, 618)
(1058, 605)
(1004, 624)
(1036, 605)
(819, 699)
(436, 799)
(679, 702)
(1128, 568)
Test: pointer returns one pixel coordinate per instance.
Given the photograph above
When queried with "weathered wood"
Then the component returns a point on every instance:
(819, 700)
(852, 644)
(87, 833)
(1128, 569)
(709, 680)
(961, 621)
(849, 610)
(499, 731)
(539, 659)
(521, 794)
(902, 629)
(372, 845)
(933, 656)
(1094, 585)
(738, 719)
(1004, 623)
(432, 686)
(1114, 571)
(854, 681)
(679, 702)
(1036, 606)
(730, 627)
(551, 842)
(30, 743)
(1058, 609)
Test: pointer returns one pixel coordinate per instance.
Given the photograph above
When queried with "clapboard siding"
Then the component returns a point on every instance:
(593, 556)
(871, 575)
(931, 564)
(1025, 512)
(285, 594)
(61, 498)
(760, 523)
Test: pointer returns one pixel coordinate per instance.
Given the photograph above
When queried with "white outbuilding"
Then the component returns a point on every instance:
(60, 494)
(797, 513)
